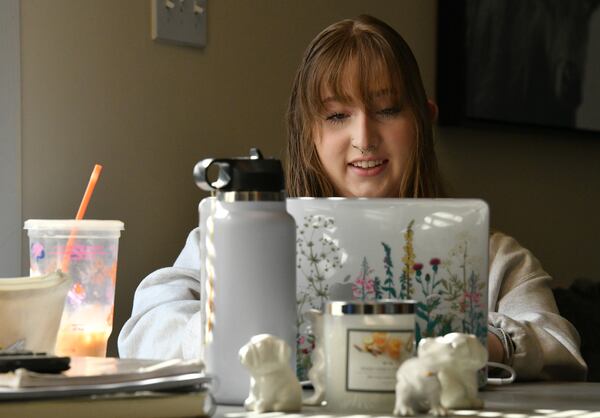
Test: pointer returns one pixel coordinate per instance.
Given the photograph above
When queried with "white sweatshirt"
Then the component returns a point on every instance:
(165, 321)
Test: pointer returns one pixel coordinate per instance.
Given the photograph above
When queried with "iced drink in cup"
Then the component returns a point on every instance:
(87, 250)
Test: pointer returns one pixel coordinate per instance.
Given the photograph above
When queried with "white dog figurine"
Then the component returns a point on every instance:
(316, 374)
(418, 388)
(459, 376)
(274, 386)
(444, 375)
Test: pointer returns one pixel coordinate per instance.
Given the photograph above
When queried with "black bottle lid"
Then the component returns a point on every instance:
(244, 174)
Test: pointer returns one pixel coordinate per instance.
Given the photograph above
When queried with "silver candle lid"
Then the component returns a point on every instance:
(385, 307)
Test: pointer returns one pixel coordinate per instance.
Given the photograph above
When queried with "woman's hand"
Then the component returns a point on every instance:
(495, 348)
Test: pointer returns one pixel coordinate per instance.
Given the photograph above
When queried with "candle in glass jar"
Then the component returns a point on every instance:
(365, 343)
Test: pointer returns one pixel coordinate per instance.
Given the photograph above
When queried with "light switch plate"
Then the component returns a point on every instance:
(179, 21)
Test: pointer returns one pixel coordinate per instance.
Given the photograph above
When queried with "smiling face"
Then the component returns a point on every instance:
(358, 122)
(364, 145)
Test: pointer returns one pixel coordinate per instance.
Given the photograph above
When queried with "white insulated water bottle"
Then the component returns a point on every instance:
(247, 265)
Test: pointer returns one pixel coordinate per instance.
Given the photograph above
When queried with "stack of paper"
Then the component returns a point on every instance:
(109, 387)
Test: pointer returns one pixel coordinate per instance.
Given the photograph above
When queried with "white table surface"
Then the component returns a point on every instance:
(520, 400)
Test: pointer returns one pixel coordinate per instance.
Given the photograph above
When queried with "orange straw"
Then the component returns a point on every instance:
(89, 191)
(81, 213)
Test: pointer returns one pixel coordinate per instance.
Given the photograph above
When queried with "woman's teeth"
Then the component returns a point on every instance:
(367, 164)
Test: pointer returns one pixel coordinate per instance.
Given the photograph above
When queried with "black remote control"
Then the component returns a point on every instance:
(35, 362)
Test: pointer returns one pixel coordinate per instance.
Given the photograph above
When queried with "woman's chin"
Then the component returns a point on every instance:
(372, 193)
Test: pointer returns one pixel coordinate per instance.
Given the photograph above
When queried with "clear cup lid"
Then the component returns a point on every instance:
(81, 225)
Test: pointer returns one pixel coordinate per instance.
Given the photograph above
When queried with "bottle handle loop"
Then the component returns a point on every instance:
(201, 174)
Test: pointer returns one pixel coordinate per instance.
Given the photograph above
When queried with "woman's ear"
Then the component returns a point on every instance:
(433, 110)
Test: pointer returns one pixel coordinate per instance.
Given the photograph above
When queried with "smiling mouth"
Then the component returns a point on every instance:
(367, 164)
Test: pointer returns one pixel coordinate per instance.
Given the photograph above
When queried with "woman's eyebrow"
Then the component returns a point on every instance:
(375, 95)
(383, 93)
(332, 99)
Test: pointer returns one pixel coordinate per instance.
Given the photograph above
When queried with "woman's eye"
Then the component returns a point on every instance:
(337, 118)
(388, 112)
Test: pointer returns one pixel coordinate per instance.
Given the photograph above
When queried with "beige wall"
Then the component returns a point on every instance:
(543, 188)
(96, 88)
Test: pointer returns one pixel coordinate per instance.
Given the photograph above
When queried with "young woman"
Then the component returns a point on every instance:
(360, 125)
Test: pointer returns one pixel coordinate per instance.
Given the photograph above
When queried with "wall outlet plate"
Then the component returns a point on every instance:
(181, 22)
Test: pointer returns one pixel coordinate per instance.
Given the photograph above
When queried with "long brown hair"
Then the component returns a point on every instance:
(383, 58)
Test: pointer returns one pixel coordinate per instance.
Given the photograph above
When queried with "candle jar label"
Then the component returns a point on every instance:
(374, 357)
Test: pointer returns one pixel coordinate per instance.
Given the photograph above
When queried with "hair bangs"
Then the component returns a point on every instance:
(360, 70)
(377, 71)
(331, 78)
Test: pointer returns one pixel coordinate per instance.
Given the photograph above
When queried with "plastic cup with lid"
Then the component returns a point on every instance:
(87, 250)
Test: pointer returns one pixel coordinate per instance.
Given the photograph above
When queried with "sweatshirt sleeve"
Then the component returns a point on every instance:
(165, 321)
(546, 346)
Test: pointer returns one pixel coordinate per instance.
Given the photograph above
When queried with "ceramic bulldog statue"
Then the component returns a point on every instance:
(444, 375)
(274, 386)
(317, 372)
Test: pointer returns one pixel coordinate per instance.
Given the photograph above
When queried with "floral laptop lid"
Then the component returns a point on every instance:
(434, 251)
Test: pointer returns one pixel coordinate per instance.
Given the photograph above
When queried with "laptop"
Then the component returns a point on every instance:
(432, 251)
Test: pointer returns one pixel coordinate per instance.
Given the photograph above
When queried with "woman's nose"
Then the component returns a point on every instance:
(365, 134)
